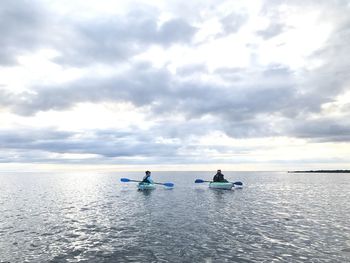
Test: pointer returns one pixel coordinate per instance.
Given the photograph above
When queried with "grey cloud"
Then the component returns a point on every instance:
(140, 86)
(115, 39)
(272, 90)
(21, 28)
(322, 130)
(190, 70)
(106, 144)
(325, 83)
(251, 102)
(332, 79)
(27, 27)
(277, 24)
(7, 99)
(13, 138)
(181, 131)
(160, 91)
(175, 30)
(240, 107)
(271, 31)
(233, 22)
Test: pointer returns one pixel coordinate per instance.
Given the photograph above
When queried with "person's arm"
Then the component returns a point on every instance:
(223, 179)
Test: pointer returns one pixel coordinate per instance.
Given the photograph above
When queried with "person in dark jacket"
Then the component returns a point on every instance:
(219, 177)
(147, 178)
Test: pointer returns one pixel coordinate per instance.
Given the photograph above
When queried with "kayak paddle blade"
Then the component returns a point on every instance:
(238, 183)
(168, 184)
(125, 180)
(198, 181)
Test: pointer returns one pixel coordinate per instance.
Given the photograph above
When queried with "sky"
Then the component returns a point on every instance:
(174, 85)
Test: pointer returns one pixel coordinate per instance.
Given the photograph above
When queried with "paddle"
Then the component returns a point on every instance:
(125, 180)
(199, 181)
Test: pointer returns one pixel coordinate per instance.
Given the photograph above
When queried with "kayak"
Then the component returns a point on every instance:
(221, 185)
(146, 186)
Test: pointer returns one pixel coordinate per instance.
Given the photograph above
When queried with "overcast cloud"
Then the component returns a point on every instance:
(177, 83)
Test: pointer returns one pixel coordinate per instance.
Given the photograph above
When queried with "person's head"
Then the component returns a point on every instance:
(148, 172)
(219, 171)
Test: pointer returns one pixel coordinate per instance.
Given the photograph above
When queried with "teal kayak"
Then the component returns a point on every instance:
(221, 185)
(146, 186)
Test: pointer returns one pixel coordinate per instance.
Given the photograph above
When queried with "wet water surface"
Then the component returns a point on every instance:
(277, 217)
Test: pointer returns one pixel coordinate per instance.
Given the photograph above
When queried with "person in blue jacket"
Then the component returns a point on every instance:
(147, 178)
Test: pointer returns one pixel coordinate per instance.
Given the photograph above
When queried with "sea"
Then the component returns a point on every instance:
(94, 217)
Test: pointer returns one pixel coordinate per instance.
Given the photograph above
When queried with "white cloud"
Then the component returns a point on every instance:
(247, 83)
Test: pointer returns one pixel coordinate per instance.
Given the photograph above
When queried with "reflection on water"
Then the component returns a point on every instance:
(146, 192)
(277, 217)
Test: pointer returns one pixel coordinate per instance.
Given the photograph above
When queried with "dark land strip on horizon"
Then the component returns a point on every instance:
(321, 171)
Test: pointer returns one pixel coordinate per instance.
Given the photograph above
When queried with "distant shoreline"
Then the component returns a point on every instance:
(321, 171)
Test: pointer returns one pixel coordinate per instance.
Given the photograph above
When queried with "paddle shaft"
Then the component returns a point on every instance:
(204, 181)
(130, 180)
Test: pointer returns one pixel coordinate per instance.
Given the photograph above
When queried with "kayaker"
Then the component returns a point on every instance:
(219, 177)
(147, 178)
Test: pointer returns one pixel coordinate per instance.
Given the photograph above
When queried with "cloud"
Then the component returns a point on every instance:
(322, 130)
(247, 103)
(110, 39)
(238, 105)
(21, 29)
(186, 97)
(232, 23)
(141, 86)
(105, 143)
(147, 86)
(166, 142)
(271, 31)
(115, 39)
(175, 31)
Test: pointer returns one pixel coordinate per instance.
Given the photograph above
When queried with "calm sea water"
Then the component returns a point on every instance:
(277, 217)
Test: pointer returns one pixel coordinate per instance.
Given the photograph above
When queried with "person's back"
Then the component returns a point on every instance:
(219, 177)
(147, 178)
(216, 178)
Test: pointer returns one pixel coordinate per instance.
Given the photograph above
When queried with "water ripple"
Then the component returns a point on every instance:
(277, 217)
